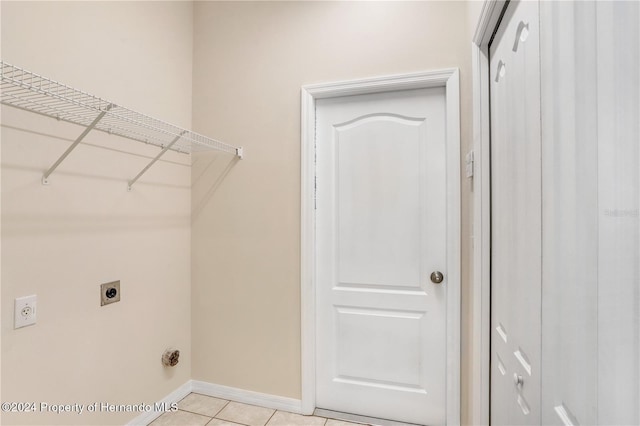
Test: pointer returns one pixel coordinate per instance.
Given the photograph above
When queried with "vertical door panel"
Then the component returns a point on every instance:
(591, 133)
(570, 213)
(515, 217)
(618, 69)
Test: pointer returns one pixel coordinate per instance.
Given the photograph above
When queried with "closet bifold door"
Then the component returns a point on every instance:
(590, 103)
(515, 218)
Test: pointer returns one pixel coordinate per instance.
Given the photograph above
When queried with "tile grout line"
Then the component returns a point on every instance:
(235, 422)
(274, 413)
(204, 415)
(231, 423)
(184, 411)
(193, 412)
(209, 396)
(223, 407)
(227, 402)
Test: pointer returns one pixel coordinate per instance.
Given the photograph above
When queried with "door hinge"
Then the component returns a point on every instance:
(470, 164)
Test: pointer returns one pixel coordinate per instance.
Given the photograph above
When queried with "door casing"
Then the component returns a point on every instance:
(449, 79)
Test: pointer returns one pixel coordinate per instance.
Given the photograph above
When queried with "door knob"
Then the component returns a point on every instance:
(437, 277)
(518, 380)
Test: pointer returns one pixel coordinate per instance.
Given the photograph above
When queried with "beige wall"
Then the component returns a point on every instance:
(250, 60)
(474, 10)
(61, 241)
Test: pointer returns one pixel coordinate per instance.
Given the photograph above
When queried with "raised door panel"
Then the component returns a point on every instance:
(380, 347)
(380, 190)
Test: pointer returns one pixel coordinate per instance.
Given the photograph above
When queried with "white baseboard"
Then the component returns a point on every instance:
(247, 397)
(175, 396)
(224, 392)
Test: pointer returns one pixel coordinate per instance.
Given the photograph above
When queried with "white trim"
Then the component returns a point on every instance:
(307, 257)
(419, 80)
(453, 246)
(481, 352)
(448, 78)
(487, 22)
(247, 397)
(173, 397)
(224, 392)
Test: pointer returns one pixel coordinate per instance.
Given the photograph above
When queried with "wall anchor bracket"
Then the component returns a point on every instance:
(160, 154)
(45, 177)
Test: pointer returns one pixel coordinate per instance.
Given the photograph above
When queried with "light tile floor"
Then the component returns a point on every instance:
(201, 410)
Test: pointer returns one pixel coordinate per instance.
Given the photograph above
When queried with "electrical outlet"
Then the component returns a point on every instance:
(25, 311)
(109, 293)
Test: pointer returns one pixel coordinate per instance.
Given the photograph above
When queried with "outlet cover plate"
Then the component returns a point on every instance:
(109, 293)
(25, 311)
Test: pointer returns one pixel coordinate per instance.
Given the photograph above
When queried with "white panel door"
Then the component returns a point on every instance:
(381, 230)
(515, 217)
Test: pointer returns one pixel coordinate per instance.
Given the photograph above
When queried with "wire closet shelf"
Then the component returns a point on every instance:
(32, 92)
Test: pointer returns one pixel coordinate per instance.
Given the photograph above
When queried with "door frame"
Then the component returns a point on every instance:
(487, 24)
(450, 80)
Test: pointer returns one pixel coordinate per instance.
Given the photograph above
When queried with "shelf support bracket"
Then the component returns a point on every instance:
(45, 177)
(160, 154)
